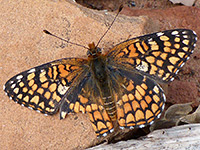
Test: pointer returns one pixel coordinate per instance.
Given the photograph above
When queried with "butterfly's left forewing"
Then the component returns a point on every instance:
(42, 88)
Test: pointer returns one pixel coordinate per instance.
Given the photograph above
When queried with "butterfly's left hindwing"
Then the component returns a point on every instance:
(139, 100)
(42, 88)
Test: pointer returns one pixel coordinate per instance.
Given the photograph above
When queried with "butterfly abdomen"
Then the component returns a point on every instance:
(110, 107)
(100, 73)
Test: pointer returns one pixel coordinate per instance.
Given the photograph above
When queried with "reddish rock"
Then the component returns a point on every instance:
(197, 55)
(170, 18)
(182, 92)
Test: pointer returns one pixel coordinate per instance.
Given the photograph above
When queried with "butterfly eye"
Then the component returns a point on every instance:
(89, 53)
(94, 52)
(99, 50)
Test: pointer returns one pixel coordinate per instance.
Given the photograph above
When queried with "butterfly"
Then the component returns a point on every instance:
(118, 86)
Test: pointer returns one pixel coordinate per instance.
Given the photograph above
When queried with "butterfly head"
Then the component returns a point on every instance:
(93, 51)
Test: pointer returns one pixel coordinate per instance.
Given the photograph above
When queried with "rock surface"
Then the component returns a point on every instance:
(184, 2)
(23, 45)
(180, 137)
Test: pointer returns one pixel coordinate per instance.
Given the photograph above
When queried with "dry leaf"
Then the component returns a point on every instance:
(172, 116)
(191, 118)
(177, 111)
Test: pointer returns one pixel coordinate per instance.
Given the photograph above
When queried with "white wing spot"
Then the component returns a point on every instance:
(185, 36)
(164, 97)
(31, 70)
(176, 72)
(42, 70)
(174, 33)
(19, 77)
(143, 67)
(38, 111)
(159, 33)
(150, 39)
(171, 79)
(22, 105)
(30, 108)
(111, 130)
(131, 127)
(62, 89)
(11, 98)
(159, 115)
(121, 127)
(19, 81)
(4, 87)
(182, 64)
(163, 106)
(105, 134)
(13, 86)
(195, 44)
(141, 126)
(151, 122)
(184, 32)
(194, 32)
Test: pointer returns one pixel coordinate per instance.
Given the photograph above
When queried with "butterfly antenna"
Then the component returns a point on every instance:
(120, 8)
(47, 32)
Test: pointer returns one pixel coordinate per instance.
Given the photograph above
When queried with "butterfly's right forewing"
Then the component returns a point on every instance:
(42, 88)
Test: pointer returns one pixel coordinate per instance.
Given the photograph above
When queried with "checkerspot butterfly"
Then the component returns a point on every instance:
(116, 86)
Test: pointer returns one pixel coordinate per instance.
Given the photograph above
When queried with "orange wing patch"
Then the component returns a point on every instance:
(42, 88)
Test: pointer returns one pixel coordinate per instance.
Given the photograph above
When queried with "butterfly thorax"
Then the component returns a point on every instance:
(97, 63)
